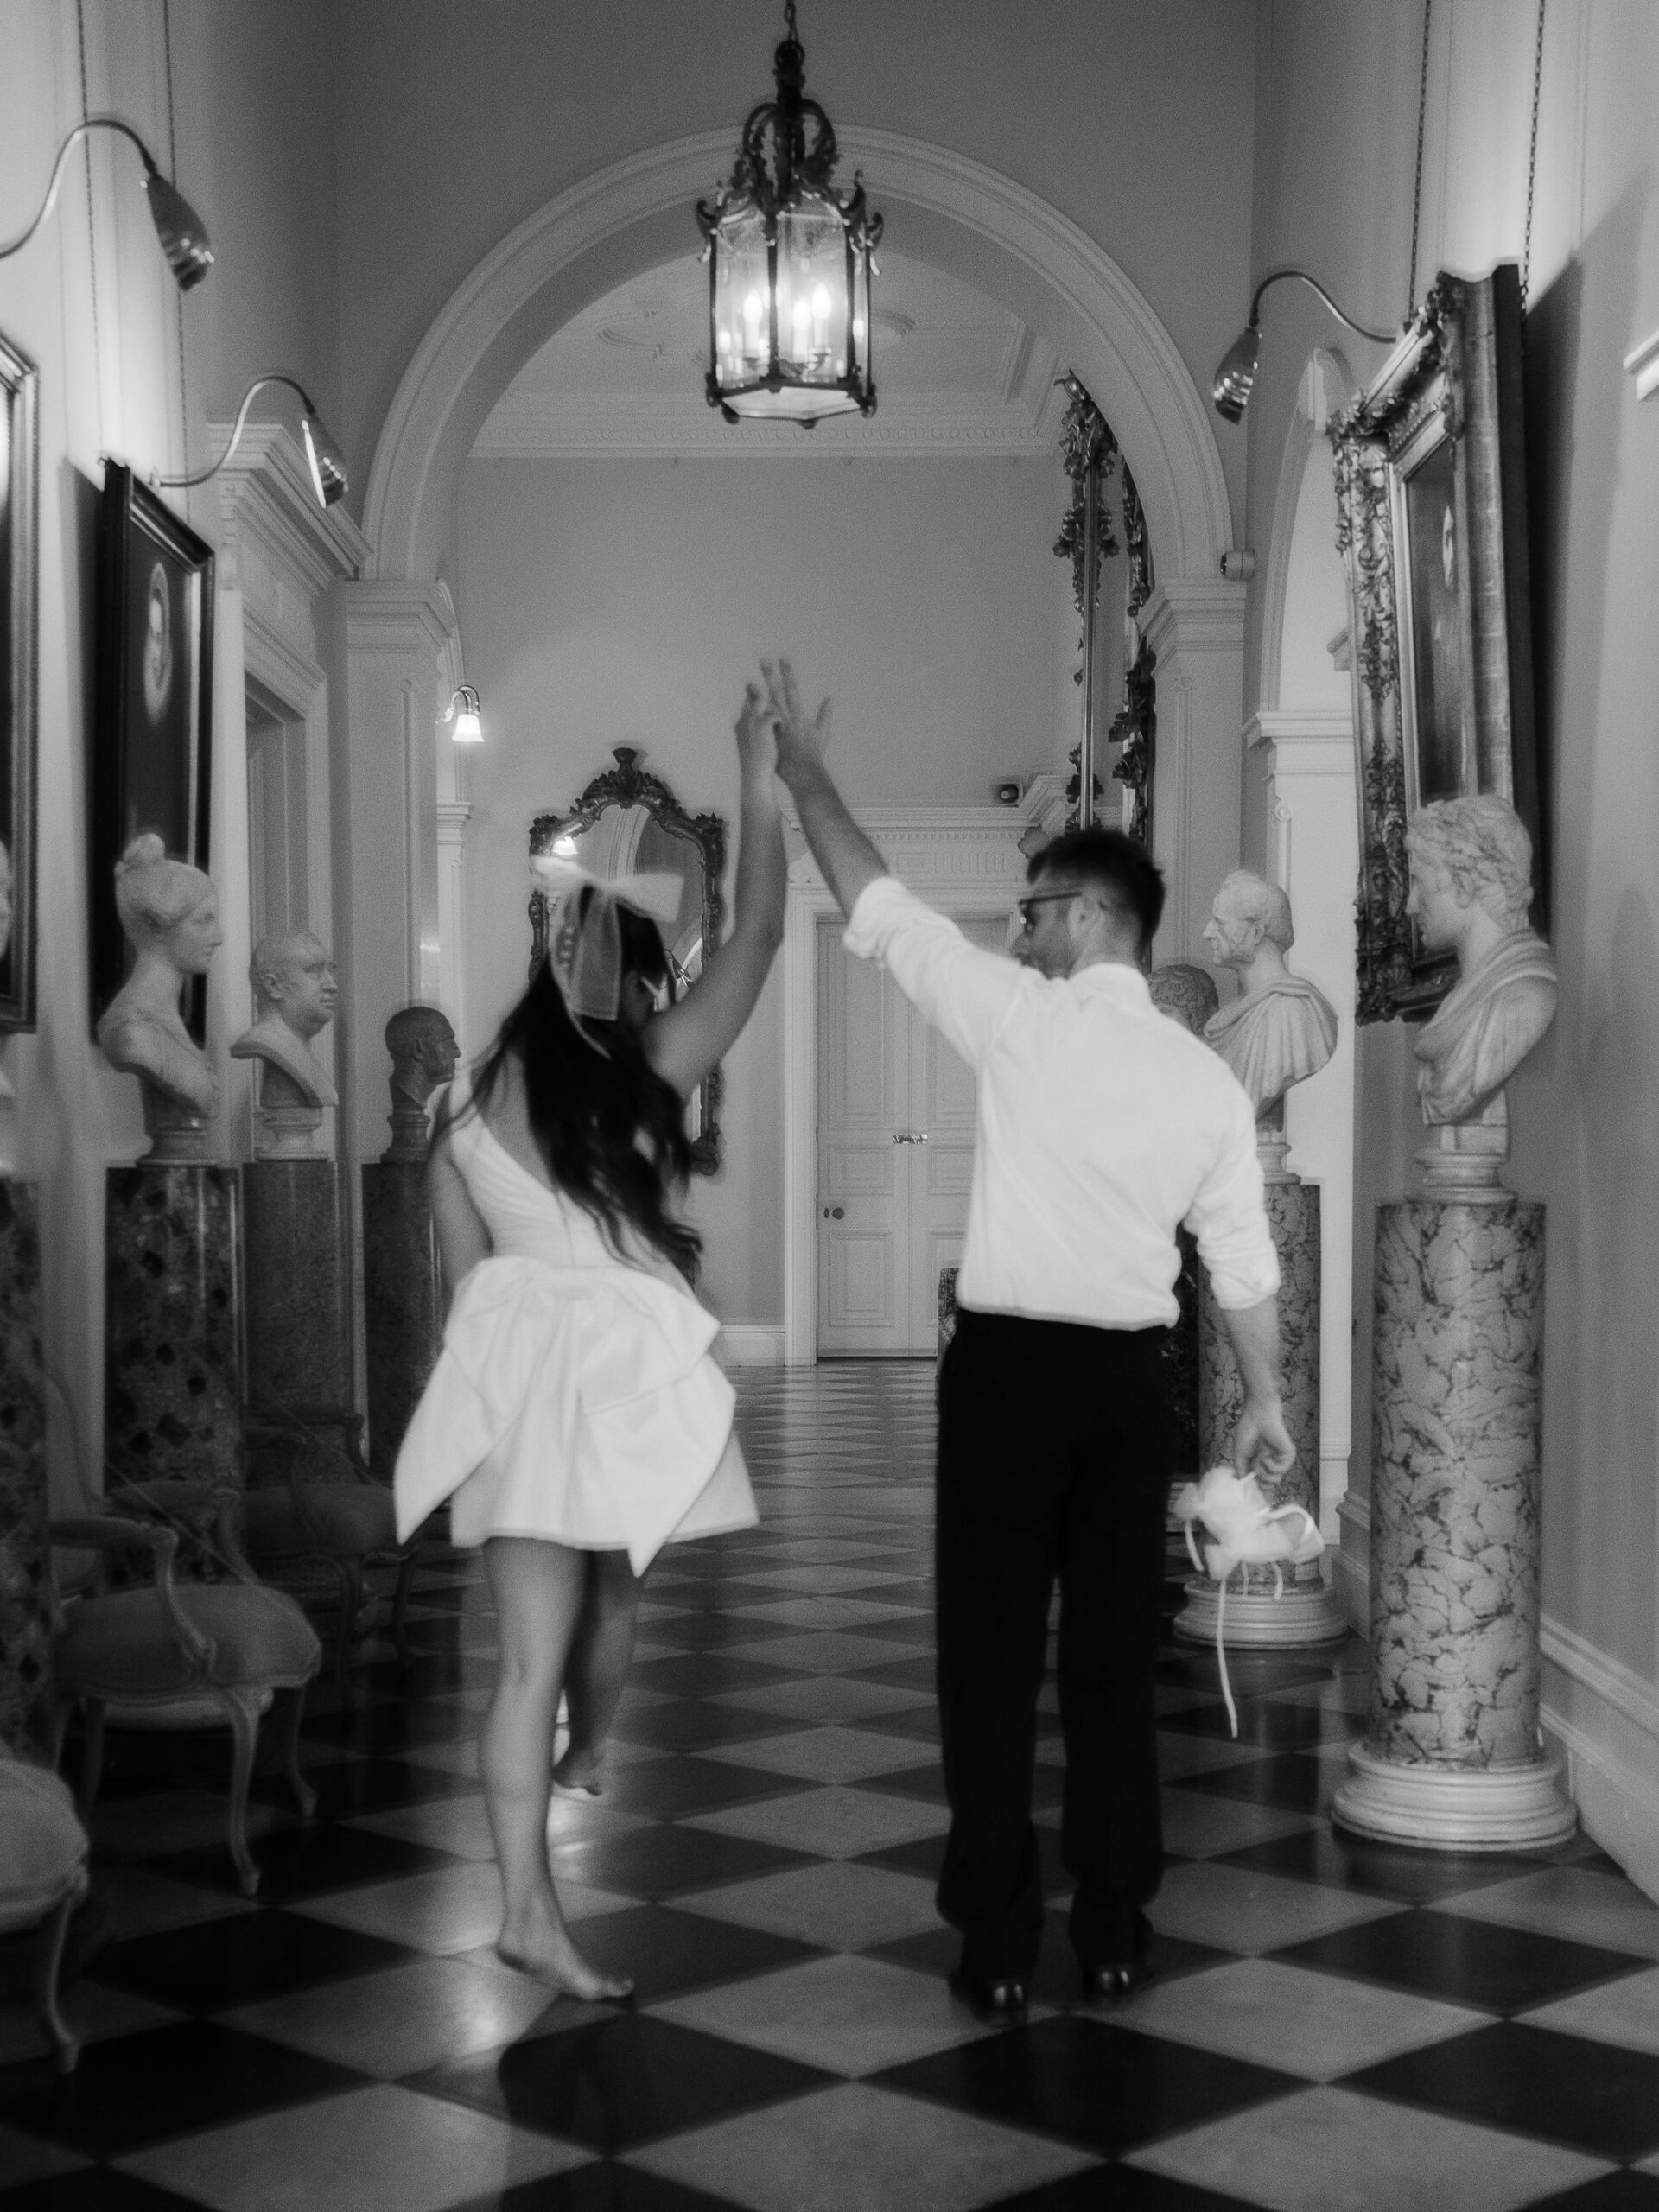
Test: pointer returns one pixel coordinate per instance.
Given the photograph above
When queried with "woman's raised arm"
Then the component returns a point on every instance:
(686, 1041)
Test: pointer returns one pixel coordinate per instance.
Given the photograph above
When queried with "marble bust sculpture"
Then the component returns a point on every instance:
(1471, 862)
(1187, 993)
(170, 912)
(1280, 1029)
(424, 1055)
(294, 994)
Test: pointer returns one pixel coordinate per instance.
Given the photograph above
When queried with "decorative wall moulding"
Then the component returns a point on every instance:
(264, 493)
(1642, 363)
(533, 427)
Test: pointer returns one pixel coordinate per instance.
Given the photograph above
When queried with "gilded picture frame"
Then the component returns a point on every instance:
(1432, 524)
(697, 841)
(19, 698)
(152, 736)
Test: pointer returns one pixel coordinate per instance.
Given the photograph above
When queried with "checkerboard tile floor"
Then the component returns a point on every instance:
(1328, 2025)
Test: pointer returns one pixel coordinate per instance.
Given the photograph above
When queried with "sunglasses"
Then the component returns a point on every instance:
(1023, 907)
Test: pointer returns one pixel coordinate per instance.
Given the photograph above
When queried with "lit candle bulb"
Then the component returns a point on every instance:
(821, 318)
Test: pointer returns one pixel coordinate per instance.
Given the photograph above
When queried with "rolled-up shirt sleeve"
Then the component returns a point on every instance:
(964, 991)
(1230, 1218)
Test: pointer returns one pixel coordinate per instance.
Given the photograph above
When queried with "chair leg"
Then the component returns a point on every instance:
(242, 1710)
(49, 1964)
(91, 1756)
(400, 1608)
(305, 1795)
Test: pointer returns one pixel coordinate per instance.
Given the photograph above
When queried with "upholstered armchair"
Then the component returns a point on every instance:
(311, 1504)
(166, 1654)
(42, 1879)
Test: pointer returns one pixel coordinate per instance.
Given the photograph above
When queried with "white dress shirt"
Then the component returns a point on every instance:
(1101, 1126)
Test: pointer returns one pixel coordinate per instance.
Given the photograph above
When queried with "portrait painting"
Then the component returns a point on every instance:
(19, 569)
(153, 733)
(1431, 521)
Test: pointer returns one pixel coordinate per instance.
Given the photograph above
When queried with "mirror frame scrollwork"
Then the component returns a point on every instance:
(629, 784)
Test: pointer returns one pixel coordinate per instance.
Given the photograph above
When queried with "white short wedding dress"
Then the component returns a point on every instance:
(575, 1398)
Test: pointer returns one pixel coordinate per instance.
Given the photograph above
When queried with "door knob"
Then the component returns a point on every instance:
(910, 1137)
(834, 1213)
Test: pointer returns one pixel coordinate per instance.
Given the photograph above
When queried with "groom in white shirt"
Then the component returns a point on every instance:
(1101, 1127)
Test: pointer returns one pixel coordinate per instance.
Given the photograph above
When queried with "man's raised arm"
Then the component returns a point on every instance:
(847, 858)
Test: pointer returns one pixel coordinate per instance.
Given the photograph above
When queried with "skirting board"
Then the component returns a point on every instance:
(1350, 1563)
(750, 1343)
(1604, 1720)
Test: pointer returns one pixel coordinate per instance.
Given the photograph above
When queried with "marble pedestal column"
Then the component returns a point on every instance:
(1453, 1760)
(294, 1273)
(1254, 1616)
(402, 1306)
(25, 1605)
(172, 1336)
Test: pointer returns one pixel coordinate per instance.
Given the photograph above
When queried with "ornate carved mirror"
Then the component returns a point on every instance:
(650, 825)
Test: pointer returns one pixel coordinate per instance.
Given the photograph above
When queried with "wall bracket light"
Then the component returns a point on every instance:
(789, 263)
(464, 714)
(1236, 372)
(182, 234)
(323, 456)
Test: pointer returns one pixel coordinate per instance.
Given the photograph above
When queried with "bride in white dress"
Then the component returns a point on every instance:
(576, 1417)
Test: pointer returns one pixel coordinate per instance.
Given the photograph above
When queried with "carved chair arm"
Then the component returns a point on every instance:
(300, 1420)
(108, 1532)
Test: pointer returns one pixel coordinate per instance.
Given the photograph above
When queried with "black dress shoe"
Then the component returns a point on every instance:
(1111, 1983)
(1004, 1998)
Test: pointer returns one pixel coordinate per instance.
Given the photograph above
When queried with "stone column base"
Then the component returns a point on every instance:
(1454, 1808)
(1256, 1620)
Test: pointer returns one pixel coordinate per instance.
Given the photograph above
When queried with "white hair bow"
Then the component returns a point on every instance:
(584, 940)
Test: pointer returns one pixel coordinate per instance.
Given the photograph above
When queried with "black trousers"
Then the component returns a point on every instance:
(1054, 1462)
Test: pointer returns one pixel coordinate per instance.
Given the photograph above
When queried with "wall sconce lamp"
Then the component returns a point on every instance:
(1236, 374)
(180, 230)
(463, 713)
(322, 453)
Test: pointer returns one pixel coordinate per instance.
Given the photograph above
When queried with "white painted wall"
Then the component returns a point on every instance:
(625, 602)
(1336, 86)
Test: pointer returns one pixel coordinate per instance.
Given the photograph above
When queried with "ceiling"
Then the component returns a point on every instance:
(954, 372)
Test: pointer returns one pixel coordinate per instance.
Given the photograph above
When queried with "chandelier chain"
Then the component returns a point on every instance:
(1417, 187)
(1532, 155)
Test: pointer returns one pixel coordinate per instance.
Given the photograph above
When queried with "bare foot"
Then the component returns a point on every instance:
(543, 1948)
(577, 1774)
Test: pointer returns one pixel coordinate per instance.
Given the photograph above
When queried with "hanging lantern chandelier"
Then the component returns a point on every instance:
(789, 262)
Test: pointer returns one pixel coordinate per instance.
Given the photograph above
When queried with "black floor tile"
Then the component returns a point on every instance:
(917, 1631)
(917, 1673)
(1531, 2080)
(95, 2189)
(1056, 1981)
(617, 2082)
(926, 1783)
(1103, 2087)
(219, 1963)
(1119, 2189)
(673, 1787)
(694, 1724)
(1274, 1727)
(381, 1731)
(602, 2186)
(669, 1954)
(925, 1855)
(1327, 1856)
(135, 2090)
(363, 1785)
(1616, 2192)
(715, 1629)
(700, 1673)
(308, 1861)
(657, 1863)
(1464, 1961)
(912, 1724)
(1290, 1781)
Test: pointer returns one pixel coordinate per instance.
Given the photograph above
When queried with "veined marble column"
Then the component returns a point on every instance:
(403, 1306)
(1255, 1614)
(1453, 1759)
(294, 1271)
(173, 1351)
(25, 1606)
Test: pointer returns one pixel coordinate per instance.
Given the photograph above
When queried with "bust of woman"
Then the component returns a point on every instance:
(170, 912)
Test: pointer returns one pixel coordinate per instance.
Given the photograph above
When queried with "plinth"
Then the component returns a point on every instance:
(25, 1605)
(403, 1308)
(295, 1272)
(173, 1363)
(1254, 1616)
(1453, 1760)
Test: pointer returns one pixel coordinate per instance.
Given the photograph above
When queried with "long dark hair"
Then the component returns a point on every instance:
(587, 1112)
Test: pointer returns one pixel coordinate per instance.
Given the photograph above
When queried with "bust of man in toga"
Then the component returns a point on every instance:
(294, 994)
(424, 1055)
(1280, 1029)
(1471, 888)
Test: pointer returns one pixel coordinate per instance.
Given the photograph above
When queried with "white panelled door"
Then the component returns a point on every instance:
(895, 1156)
